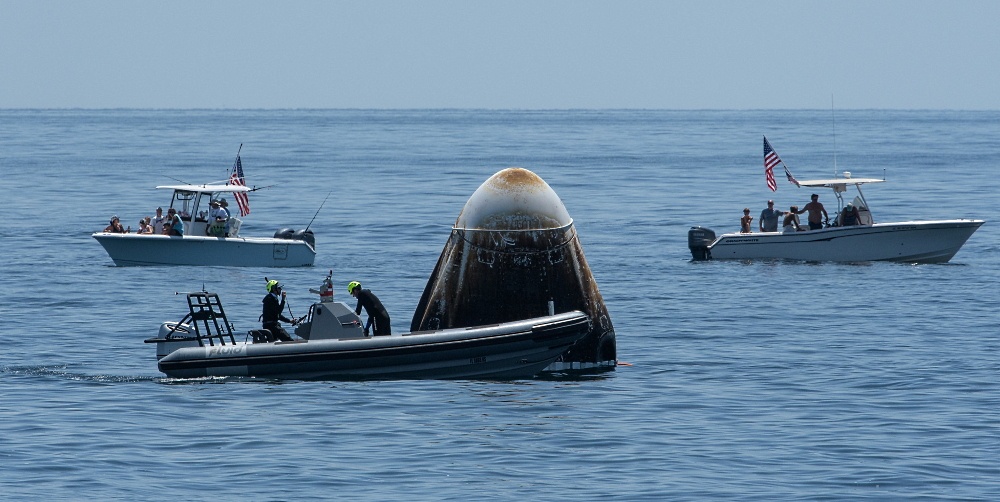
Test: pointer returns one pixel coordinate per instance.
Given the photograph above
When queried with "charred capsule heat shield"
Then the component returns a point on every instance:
(512, 251)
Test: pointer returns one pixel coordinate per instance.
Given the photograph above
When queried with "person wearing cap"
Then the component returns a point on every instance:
(158, 221)
(274, 305)
(769, 218)
(377, 314)
(218, 217)
(115, 227)
(850, 216)
(225, 207)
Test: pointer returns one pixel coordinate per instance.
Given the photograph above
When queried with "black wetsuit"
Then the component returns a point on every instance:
(376, 312)
(272, 314)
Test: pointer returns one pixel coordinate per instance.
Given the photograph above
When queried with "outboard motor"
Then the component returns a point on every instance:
(305, 235)
(699, 238)
(284, 233)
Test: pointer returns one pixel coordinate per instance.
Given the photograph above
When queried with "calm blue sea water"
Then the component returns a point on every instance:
(747, 381)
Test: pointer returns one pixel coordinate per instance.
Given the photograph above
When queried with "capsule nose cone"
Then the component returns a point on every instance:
(513, 199)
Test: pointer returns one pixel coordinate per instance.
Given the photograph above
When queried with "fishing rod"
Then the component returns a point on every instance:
(255, 188)
(317, 211)
(175, 179)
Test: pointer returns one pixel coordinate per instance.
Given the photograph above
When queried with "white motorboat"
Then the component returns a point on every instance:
(204, 242)
(331, 345)
(905, 241)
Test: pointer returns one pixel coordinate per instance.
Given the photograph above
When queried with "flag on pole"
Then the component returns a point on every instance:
(237, 179)
(788, 174)
(770, 160)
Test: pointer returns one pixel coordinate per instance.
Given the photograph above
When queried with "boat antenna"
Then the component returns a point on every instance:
(317, 211)
(833, 117)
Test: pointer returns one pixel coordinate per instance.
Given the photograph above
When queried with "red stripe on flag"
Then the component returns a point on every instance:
(241, 197)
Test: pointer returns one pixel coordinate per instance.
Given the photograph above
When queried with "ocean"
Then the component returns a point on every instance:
(763, 380)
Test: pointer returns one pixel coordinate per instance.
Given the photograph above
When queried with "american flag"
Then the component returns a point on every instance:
(237, 179)
(770, 160)
(788, 174)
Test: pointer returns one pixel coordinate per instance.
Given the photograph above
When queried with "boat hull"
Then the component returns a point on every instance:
(910, 242)
(510, 350)
(143, 249)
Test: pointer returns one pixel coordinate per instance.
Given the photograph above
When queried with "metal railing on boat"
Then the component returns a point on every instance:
(206, 315)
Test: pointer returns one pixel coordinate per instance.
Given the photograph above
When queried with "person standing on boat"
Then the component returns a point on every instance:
(769, 218)
(815, 208)
(373, 307)
(274, 305)
(158, 221)
(745, 221)
(225, 207)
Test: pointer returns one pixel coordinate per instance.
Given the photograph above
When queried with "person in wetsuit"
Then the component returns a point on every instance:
(373, 307)
(274, 304)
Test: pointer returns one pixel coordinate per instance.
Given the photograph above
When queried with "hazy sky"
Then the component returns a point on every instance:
(500, 54)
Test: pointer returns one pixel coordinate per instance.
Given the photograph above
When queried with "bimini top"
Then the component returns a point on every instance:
(205, 188)
(839, 184)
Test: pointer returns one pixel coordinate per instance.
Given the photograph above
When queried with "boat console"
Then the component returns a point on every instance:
(330, 321)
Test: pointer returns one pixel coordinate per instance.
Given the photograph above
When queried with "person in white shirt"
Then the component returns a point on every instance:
(225, 207)
(158, 221)
(217, 217)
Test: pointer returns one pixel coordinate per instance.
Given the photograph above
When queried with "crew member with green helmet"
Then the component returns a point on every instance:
(274, 304)
(373, 307)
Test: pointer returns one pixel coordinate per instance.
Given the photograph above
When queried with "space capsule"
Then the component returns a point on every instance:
(513, 254)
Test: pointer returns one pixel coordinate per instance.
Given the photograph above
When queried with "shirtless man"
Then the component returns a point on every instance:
(815, 208)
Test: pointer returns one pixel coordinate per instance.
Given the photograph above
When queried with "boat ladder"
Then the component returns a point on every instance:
(205, 313)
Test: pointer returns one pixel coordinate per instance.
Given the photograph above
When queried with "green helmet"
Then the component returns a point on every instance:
(351, 286)
(272, 284)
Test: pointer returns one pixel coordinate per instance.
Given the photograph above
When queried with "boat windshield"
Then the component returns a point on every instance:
(184, 202)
